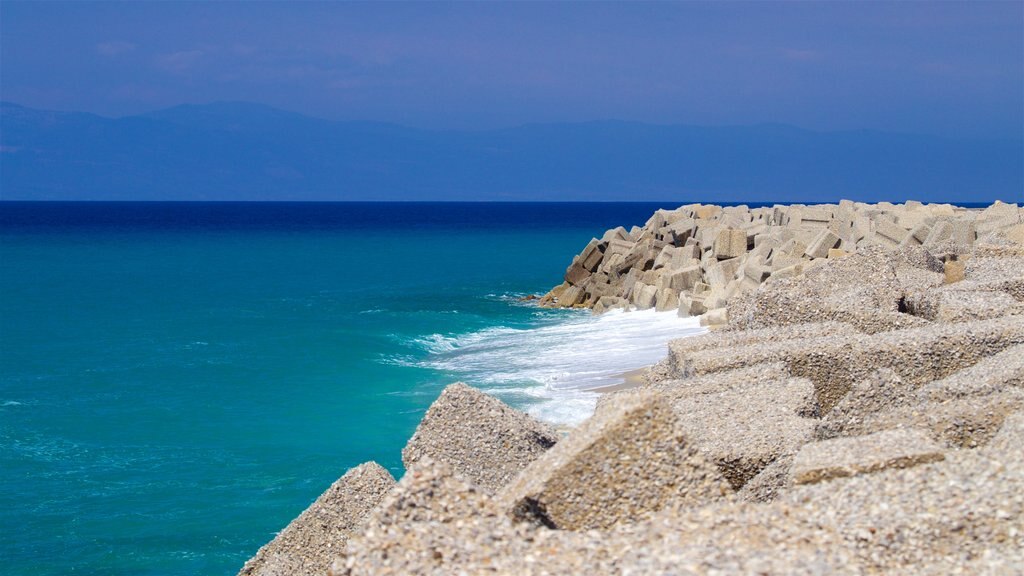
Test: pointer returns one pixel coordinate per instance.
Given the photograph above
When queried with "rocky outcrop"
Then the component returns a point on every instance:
(479, 437)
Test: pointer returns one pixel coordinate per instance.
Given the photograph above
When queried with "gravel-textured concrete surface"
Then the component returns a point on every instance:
(863, 289)
(628, 460)
(835, 363)
(898, 448)
(880, 391)
(965, 512)
(745, 428)
(772, 481)
(310, 542)
(479, 436)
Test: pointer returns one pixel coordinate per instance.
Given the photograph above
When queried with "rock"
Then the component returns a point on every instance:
(312, 540)
(626, 462)
(478, 436)
(840, 457)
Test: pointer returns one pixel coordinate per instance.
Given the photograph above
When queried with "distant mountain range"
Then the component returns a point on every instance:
(242, 151)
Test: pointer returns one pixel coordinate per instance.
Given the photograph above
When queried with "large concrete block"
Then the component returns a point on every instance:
(842, 457)
(880, 391)
(592, 255)
(312, 540)
(890, 232)
(955, 304)
(626, 462)
(478, 436)
(685, 278)
(823, 242)
(993, 374)
(744, 427)
(730, 243)
(644, 295)
(576, 274)
(865, 288)
(668, 299)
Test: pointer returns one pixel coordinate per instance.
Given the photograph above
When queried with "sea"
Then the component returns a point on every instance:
(180, 380)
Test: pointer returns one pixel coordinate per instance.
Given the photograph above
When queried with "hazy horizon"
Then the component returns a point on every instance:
(736, 101)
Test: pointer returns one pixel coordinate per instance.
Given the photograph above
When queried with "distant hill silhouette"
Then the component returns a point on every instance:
(243, 151)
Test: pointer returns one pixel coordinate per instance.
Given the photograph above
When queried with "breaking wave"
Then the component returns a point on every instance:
(553, 370)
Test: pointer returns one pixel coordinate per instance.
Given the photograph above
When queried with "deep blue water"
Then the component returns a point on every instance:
(179, 380)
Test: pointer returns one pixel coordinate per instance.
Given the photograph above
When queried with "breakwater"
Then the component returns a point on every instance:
(859, 408)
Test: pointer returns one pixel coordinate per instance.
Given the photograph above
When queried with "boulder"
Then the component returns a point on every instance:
(478, 436)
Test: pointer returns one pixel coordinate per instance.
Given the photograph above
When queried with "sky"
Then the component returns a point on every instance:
(945, 68)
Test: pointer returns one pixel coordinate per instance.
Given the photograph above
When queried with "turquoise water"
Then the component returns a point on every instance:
(179, 381)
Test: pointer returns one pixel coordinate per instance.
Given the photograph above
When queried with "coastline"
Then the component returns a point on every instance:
(862, 360)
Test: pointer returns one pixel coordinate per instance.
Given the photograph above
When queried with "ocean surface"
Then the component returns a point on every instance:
(180, 380)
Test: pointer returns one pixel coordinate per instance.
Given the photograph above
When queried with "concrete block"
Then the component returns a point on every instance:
(625, 463)
(667, 299)
(685, 278)
(730, 243)
(592, 255)
(316, 537)
(644, 296)
(576, 274)
(842, 457)
(822, 243)
(835, 363)
(478, 436)
(742, 425)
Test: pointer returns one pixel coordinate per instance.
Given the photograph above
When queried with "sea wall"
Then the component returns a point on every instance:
(860, 410)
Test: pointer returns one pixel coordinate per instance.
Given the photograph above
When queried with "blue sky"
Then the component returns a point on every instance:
(946, 68)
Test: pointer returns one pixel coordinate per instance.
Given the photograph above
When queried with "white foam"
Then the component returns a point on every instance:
(553, 369)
